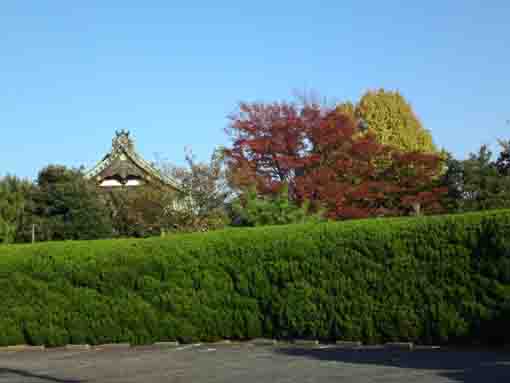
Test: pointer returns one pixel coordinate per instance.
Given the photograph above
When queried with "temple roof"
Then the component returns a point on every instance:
(124, 164)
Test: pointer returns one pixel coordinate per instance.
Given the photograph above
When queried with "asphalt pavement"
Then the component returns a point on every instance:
(248, 363)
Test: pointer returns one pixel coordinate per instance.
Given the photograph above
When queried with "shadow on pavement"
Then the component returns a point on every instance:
(44, 378)
(459, 366)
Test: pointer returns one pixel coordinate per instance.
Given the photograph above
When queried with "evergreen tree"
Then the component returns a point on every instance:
(476, 183)
(13, 203)
(68, 206)
(503, 161)
(250, 209)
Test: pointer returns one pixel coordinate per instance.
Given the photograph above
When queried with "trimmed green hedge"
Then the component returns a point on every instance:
(430, 280)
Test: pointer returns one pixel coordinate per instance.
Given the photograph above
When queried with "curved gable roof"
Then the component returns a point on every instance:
(123, 149)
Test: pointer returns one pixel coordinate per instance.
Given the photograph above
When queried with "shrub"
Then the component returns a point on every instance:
(249, 209)
(427, 279)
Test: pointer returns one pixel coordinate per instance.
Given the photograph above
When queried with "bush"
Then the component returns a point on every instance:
(428, 279)
(250, 209)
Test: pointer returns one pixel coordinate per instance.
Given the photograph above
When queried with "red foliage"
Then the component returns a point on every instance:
(324, 159)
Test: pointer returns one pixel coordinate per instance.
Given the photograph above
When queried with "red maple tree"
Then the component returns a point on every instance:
(325, 159)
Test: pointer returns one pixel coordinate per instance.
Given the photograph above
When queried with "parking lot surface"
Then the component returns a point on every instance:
(248, 363)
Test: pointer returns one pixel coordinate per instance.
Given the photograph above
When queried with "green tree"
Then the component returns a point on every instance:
(251, 209)
(10, 204)
(14, 199)
(476, 183)
(503, 161)
(68, 206)
(391, 118)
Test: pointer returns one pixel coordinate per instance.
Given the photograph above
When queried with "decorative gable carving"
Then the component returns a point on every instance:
(123, 166)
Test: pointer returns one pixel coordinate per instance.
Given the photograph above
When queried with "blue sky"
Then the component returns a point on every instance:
(71, 73)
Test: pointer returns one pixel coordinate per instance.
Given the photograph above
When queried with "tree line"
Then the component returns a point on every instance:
(287, 162)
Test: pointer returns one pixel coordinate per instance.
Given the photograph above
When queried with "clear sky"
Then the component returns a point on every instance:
(73, 72)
